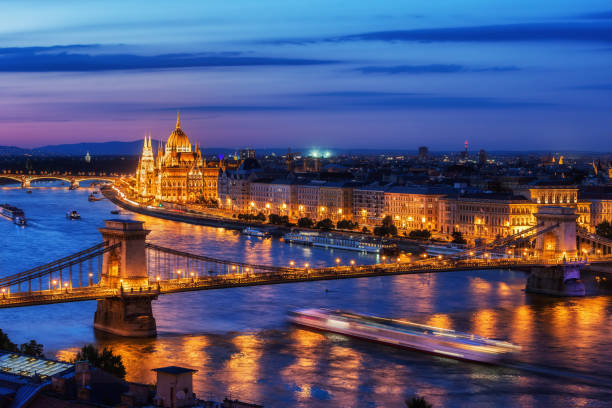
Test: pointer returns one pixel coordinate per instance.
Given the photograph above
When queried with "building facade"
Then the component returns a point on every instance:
(178, 174)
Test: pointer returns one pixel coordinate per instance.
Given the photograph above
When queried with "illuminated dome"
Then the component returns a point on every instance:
(178, 140)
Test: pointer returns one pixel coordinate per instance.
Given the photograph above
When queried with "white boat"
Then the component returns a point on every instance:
(399, 333)
(349, 243)
(13, 213)
(443, 250)
(254, 232)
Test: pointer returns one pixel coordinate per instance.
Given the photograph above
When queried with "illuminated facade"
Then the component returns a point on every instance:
(178, 174)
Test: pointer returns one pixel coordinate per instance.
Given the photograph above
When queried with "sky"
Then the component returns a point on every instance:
(519, 75)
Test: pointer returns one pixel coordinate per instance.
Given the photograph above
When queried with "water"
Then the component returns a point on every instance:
(241, 345)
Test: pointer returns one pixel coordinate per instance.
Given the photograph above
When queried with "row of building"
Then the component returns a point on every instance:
(438, 209)
(179, 174)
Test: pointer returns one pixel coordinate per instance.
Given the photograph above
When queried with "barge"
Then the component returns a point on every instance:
(349, 243)
(13, 213)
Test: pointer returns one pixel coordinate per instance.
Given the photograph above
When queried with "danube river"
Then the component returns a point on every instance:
(241, 344)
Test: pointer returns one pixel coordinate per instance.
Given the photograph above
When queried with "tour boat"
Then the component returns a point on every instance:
(254, 232)
(405, 334)
(13, 213)
(73, 215)
(350, 243)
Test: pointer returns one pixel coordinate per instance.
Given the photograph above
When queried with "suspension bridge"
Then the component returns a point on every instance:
(125, 273)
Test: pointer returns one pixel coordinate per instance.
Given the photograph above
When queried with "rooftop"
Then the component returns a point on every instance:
(174, 370)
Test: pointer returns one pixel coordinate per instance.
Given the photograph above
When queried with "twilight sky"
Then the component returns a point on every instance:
(512, 75)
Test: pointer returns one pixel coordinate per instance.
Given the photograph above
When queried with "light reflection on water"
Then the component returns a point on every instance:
(240, 342)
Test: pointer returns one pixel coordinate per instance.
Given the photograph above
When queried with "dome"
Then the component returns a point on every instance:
(178, 140)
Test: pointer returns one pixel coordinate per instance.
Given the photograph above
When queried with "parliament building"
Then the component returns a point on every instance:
(179, 173)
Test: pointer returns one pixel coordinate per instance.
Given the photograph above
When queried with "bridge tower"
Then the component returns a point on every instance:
(25, 182)
(125, 268)
(559, 243)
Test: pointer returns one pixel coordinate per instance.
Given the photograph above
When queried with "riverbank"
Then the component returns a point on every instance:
(403, 244)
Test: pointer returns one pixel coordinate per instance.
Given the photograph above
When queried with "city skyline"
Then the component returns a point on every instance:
(520, 77)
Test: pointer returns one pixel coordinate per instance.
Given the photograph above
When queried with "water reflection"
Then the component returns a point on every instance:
(239, 340)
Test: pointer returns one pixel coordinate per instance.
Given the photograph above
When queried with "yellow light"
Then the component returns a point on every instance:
(471, 253)
(301, 208)
(291, 263)
(178, 272)
(90, 275)
(337, 260)
(410, 218)
(364, 212)
(322, 209)
(66, 284)
(192, 274)
(352, 262)
(3, 290)
(233, 267)
(397, 217)
(284, 205)
(252, 204)
(339, 210)
(439, 256)
(267, 205)
(157, 278)
(54, 281)
(423, 219)
(306, 265)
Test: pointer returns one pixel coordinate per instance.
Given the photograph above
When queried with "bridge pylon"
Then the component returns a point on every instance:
(25, 182)
(125, 269)
(559, 243)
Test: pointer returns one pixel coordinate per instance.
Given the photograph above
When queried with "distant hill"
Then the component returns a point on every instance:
(13, 151)
(95, 149)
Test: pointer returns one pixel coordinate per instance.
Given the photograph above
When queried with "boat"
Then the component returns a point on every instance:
(405, 334)
(92, 197)
(114, 212)
(29, 192)
(350, 243)
(254, 232)
(73, 215)
(13, 213)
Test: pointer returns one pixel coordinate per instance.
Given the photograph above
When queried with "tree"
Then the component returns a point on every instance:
(604, 229)
(32, 348)
(420, 234)
(417, 402)
(6, 343)
(387, 228)
(305, 222)
(105, 360)
(458, 238)
(325, 224)
(365, 230)
(347, 224)
(278, 220)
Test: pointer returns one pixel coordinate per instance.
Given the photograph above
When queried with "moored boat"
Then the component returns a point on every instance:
(349, 243)
(254, 232)
(13, 213)
(405, 334)
(73, 215)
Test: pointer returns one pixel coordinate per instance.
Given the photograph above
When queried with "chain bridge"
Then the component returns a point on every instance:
(125, 273)
(73, 180)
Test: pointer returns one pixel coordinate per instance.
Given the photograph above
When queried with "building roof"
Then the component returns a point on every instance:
(28, 366)
(174, 370)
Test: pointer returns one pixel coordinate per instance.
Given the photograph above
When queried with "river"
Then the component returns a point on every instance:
(241, 344)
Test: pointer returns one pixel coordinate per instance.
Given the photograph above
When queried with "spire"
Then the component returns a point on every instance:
(178, 121)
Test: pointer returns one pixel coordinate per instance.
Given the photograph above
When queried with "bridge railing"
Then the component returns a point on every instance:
(78, 270)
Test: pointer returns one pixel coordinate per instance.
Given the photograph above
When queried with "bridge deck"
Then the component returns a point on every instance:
(286, 275)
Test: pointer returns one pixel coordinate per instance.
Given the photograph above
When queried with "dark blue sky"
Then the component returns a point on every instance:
(504, 75)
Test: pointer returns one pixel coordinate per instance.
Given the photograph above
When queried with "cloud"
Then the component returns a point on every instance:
(65, 59)
(430, 69)
(593, 87)
(534, 32)
(602, 15)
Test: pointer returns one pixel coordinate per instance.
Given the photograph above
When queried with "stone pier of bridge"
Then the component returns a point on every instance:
(125, 268)
(558, 243)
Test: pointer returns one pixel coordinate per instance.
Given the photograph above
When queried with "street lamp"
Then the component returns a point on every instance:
(338, 261)
(306, 265)
(291, 263)
(352, 262)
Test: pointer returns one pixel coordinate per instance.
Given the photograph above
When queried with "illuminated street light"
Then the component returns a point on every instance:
(338, 261)
(306, 265)
(352, 262)
(291, 263)
(157, 278)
